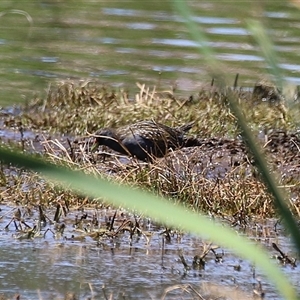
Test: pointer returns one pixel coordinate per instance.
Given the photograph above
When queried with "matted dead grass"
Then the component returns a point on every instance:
(77, 108)
(218, 178)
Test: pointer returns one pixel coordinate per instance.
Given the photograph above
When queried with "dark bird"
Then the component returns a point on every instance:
(145, 139)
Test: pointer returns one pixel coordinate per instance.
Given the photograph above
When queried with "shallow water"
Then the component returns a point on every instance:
(124, 42)
(50, 267)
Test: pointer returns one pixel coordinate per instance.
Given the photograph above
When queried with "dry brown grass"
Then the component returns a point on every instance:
(218, 178)
(79, 107)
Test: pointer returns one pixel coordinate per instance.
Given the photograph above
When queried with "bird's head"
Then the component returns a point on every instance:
(104, 136)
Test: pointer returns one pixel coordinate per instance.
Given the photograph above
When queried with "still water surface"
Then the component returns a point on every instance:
(124, 42)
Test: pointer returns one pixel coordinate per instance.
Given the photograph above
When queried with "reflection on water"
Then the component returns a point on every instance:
(229, 31)
(173, 42)
(124, 42)
(241, 57)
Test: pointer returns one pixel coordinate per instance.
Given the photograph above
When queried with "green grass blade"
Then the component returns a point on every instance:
(267, 49)
(279, 200)
(271, 58)
(155, 207)
(198, 35)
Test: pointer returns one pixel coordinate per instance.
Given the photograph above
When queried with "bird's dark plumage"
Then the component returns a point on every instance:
(143, 140)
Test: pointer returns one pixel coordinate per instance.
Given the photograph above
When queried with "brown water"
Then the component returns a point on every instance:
(124, 42)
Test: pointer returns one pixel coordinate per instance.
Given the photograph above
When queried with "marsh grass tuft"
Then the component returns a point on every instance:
(218, 177)
(78, 108)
